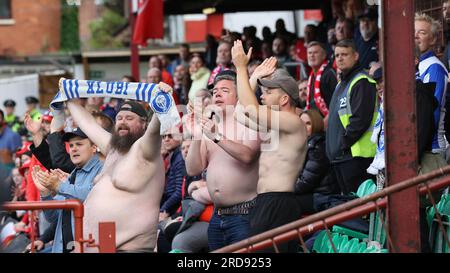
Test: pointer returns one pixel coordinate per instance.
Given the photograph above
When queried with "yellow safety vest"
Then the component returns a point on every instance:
(363, 147)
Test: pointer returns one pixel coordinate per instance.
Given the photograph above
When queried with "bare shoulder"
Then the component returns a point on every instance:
(291, 123)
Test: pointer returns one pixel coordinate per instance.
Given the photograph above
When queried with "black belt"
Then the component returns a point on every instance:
(241, 208)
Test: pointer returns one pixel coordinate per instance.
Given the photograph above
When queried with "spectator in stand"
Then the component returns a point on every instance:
(192, 236)
(154, 75)
(267, 35)
(310, 34)
(182, 83)
(133, 174)
(352, 115)
(344, 29)
(9, 143)
(302, 93)
(250, 39)
(431, 69)
(199, 75)
(279, 50)
(183, 58)
(352, 8)
(446, 62)
(281, 31)
(55, 185)
(322, 81)
(211, 51)
(223, 60)
(266, 50)
(225, 149)
(171, 199)
(366, 37)
(155, 62)
(11, 119)
(276, 203)
(165, 62)
(95, 103)
(32, 103)
(331, 42)
(315, 175)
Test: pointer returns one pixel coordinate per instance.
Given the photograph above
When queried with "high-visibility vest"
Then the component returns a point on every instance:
(363, 147)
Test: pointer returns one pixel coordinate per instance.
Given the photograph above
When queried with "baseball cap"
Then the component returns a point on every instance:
(281, 79)
(371, 13)
(9, 103)
(134, 107)
(75, 133)
(378, 74)
(227, 74)
(31, 99)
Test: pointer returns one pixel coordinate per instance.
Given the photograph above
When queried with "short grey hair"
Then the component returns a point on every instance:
(435, 25)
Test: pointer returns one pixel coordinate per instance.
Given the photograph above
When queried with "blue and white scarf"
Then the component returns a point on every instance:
(160, 102)
(378, 163)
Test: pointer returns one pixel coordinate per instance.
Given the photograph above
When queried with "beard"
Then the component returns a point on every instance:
(123, 143)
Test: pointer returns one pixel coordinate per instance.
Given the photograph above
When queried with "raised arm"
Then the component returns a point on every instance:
(266, 68)
(260, 114)
(87, 123)
(196, 160)
(150, 142)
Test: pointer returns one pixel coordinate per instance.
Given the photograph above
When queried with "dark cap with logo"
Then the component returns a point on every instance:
(223, 75)
(282, 79)
(9, 103)
(134, 107)
(75, 133)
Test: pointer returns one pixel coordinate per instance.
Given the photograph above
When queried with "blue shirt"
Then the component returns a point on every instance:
(10, 140)
(171, 198)
(79, 190)
(367, 50)
(431, 69)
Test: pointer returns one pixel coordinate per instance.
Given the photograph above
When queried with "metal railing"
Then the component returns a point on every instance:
(341, 213)
(74, 205)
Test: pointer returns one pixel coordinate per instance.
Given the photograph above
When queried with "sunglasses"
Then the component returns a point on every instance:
(170, 136)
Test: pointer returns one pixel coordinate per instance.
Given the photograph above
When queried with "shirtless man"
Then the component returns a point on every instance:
(129, 188)
(228, 151)
(276, 203)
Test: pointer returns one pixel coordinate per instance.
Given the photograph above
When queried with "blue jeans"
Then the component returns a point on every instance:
(224, 230)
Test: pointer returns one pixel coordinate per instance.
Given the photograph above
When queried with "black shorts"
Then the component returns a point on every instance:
(274, 209)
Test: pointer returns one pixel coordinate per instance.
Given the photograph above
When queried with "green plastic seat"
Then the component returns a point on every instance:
(327, 246)
(353, 246)
(318, 242)
(366, 188)
(443, 207)
(349, 232)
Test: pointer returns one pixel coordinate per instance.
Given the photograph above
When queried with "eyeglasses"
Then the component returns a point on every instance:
(170, 136)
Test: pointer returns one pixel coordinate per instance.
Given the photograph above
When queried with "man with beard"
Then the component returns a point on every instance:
(366, 39)
(129, 188)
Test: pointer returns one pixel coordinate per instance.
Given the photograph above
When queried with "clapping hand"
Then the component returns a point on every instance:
(240, 59)
(266, 68)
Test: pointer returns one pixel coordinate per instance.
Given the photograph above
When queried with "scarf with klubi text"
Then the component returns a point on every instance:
(160, 102)
(318, 100)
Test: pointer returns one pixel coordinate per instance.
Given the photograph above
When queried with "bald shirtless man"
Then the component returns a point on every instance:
(129, 188)
(276, 203)
(228, 151)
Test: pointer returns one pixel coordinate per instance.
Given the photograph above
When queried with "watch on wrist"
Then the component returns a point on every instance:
(217, 138)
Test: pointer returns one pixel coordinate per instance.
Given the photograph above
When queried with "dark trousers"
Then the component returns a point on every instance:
(352, 173)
